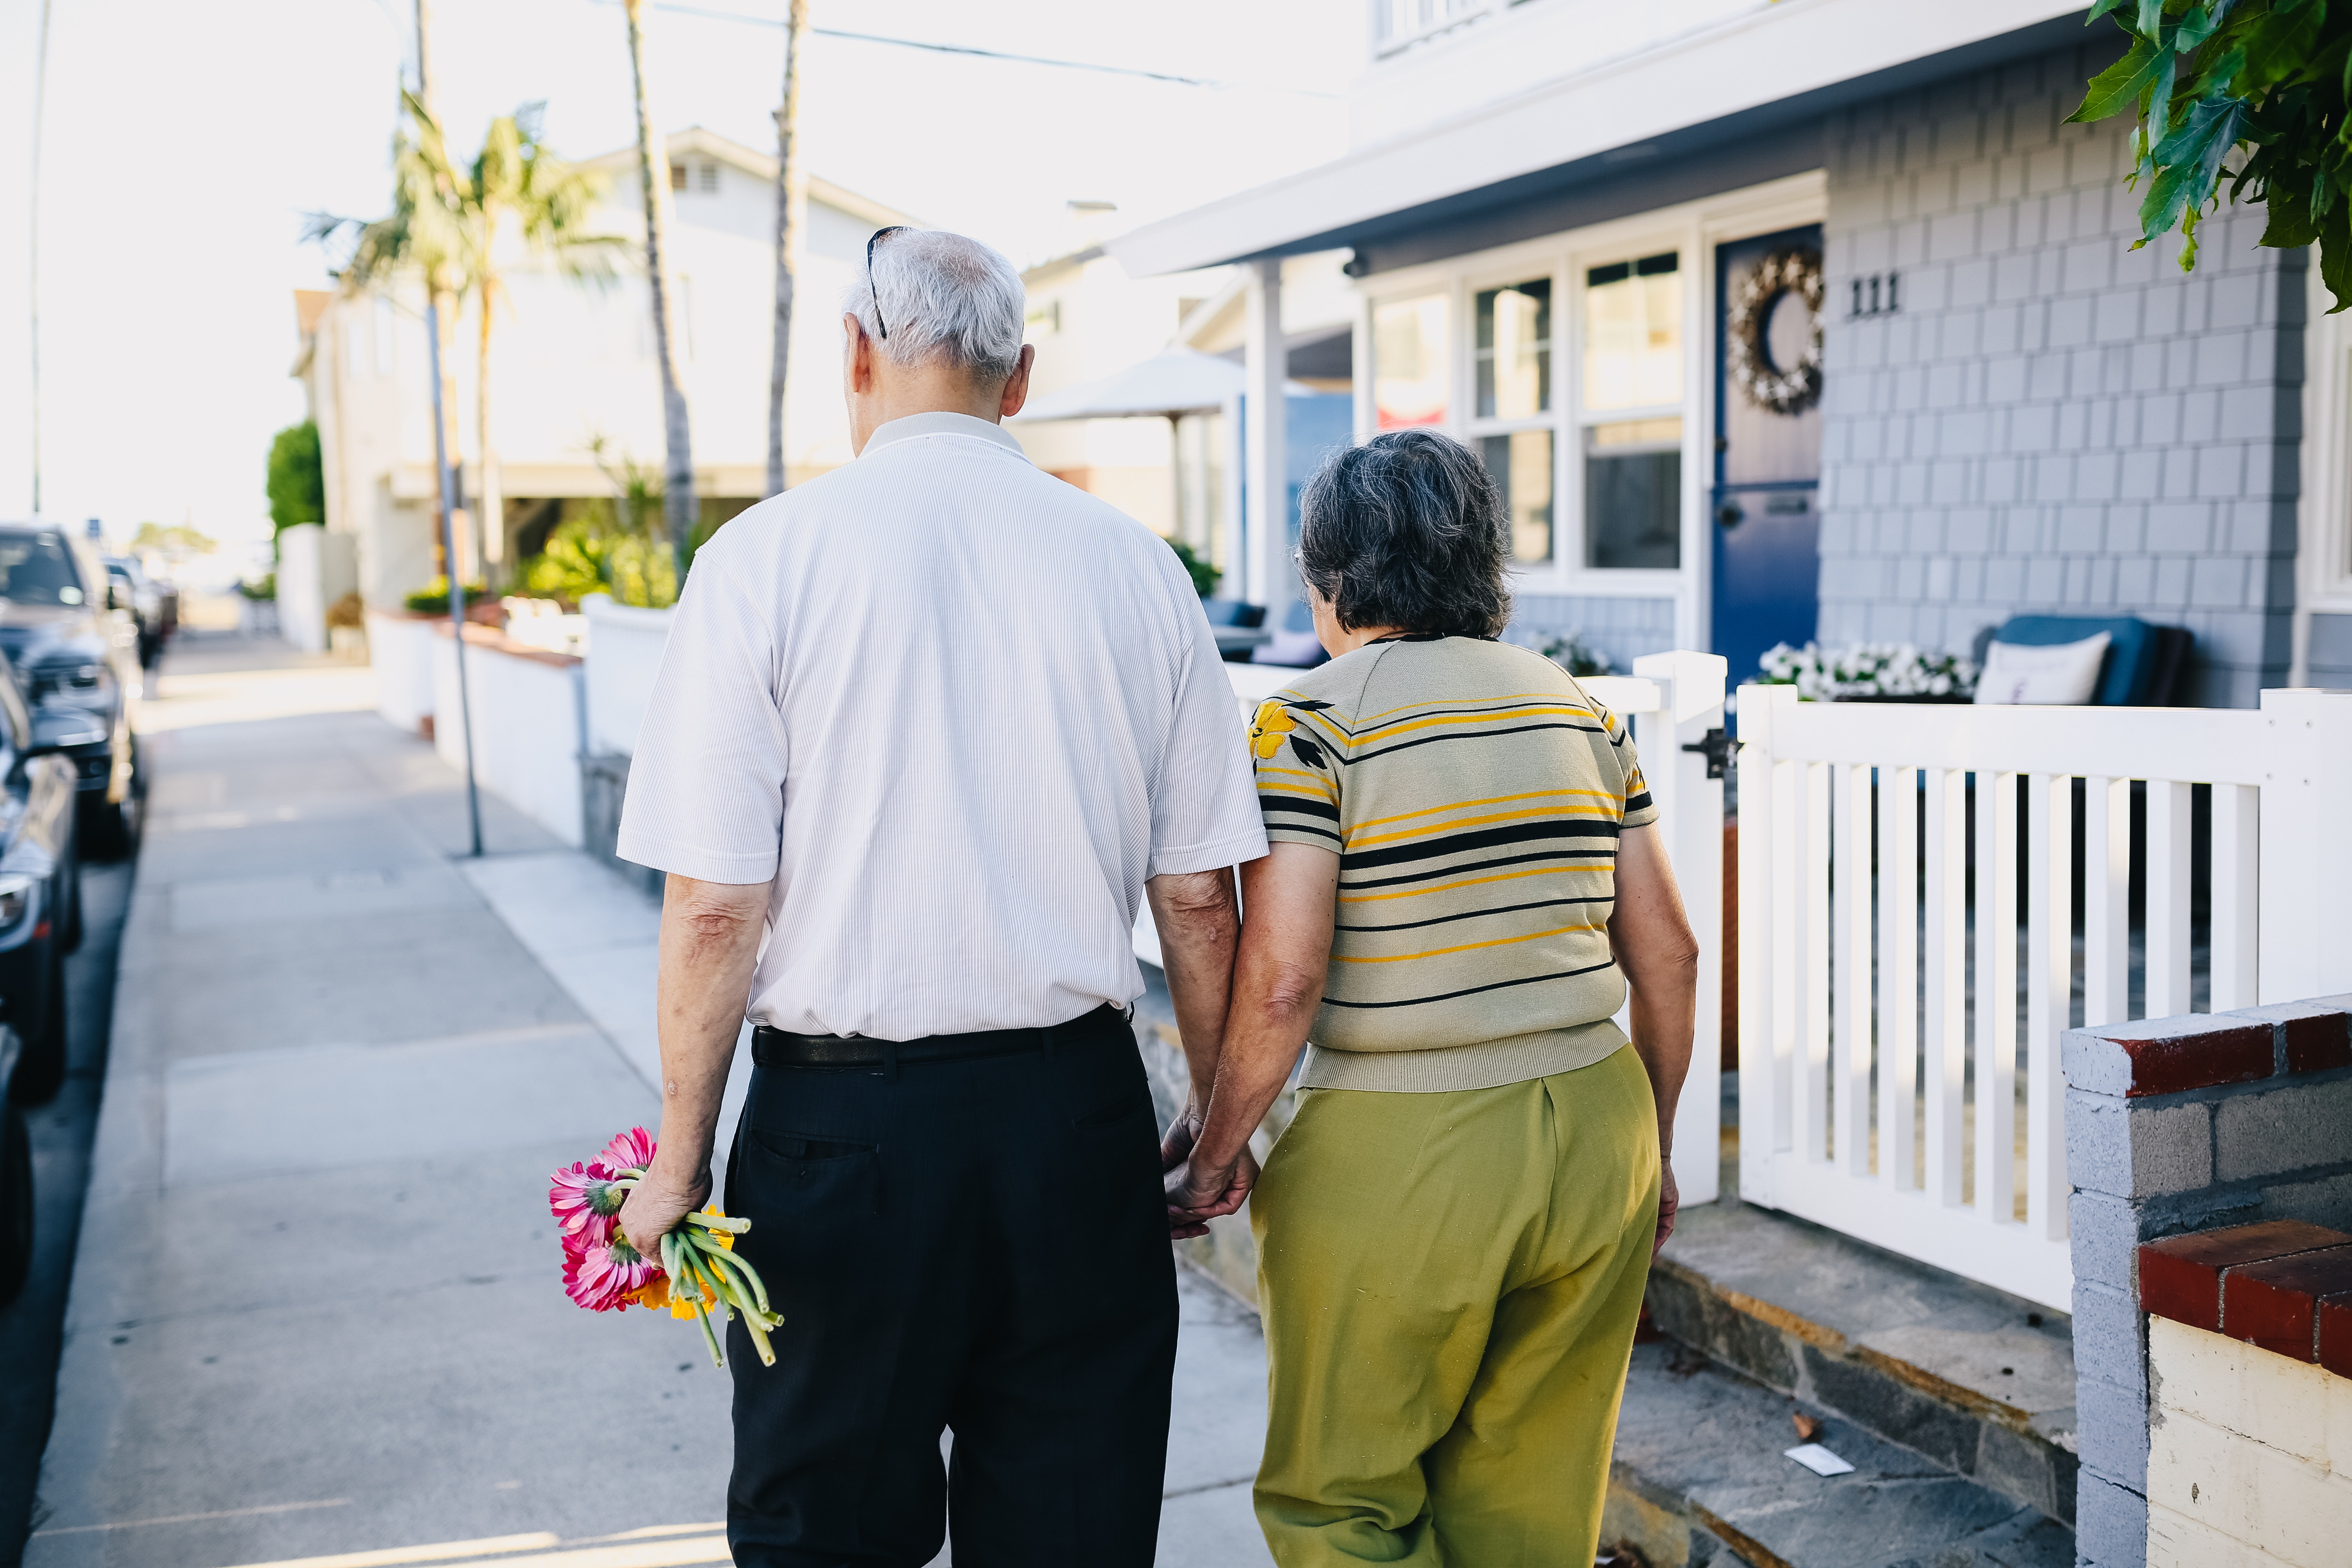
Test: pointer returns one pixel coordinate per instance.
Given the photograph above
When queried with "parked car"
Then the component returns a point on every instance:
(75, 649)
(41, 893)
(16, 1178)
(144, 597)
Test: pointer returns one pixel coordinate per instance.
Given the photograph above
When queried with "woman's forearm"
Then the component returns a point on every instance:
(1652, 938)
(1285, 947)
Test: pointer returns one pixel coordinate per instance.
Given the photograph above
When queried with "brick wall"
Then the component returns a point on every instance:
(1620, 629)
(2050, 422)
(2175, 1126)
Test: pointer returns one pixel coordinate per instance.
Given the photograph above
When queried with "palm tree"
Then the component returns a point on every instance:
(791, 216)
(518, 182)
(449, 221)
(653, 172)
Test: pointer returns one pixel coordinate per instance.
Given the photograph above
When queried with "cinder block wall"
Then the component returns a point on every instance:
(2176, 1125)
(2052, 421)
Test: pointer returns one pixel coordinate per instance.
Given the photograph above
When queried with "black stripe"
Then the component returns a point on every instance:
(1484, 838)
(1435, 872)
(1470, 735)
(1305, 806)
(1637, 802)
(1473, 991)
(1304, 827)
(1474, 914)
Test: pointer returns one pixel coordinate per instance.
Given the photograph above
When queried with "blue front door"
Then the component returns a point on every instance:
(1767, 446)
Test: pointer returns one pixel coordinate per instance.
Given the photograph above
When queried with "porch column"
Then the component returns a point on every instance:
(1271, 582)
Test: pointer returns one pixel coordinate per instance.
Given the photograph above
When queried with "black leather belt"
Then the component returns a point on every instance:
(773, 1047)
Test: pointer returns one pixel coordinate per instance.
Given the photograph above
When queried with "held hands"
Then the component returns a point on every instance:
(1197, 1192)
(659, 1202)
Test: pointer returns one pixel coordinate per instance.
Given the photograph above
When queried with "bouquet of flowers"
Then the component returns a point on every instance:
(698, 1271)
(1868, 670)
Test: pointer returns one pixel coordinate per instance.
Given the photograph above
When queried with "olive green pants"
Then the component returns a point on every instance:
(1450, 1284)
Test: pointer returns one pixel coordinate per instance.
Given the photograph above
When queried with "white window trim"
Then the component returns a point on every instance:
(2322, 557)
(1693, 230)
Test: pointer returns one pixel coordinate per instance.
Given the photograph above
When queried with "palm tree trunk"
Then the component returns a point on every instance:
(490, 500)
(449, 507)
(653, 169)
(792, 219)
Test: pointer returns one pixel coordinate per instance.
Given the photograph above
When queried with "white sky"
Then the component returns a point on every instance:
(183, 143)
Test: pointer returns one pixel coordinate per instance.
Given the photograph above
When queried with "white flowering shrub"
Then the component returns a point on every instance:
(1868, 669)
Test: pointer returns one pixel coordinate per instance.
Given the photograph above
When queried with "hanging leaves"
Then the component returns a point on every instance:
(2260, 83)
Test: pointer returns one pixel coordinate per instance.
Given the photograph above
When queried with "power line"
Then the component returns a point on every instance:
(966, 49)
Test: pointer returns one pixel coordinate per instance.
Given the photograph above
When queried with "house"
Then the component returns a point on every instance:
(1091, 321)
(1816, 319)
(577, 391)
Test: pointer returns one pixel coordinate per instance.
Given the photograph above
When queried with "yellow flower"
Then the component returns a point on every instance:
(1269, 727)
(724, 1239)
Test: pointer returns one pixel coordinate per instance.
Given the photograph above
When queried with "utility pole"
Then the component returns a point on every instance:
(443, 461)
(33, 243)
(653, 171)
(792, 217)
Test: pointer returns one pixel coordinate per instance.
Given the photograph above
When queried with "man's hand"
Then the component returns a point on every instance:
(658, 1203)
(1183, 1133)
(1199, 1194)
(1670, 1203)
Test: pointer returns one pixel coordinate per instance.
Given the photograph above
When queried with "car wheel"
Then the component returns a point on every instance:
(109, 829)
(15, 1203)
(41, 1070)
(73, 928)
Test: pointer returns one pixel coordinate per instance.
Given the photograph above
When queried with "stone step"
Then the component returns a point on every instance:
(1979, 1382)
(1701, 1479)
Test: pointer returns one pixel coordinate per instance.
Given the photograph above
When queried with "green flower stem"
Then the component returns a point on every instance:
(752, 1300)
(759, 1333)
(708, 1338)
(734, 1225)
(751, 1276)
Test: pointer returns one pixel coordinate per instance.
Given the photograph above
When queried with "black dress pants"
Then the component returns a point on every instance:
(977, 1245)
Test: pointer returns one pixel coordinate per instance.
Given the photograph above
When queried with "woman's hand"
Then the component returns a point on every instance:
(1199, 1194)
(1670, 1203)
(1183, 1133)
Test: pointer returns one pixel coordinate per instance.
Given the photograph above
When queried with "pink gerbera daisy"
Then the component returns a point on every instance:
(601, 1277)
(630, 1151)
(584, 1199)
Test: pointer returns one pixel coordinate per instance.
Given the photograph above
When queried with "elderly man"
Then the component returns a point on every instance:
(926, 730)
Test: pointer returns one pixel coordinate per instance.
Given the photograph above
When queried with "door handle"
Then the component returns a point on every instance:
(1730, 515)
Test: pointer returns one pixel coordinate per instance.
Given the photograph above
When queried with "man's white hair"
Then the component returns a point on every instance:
(945, 300)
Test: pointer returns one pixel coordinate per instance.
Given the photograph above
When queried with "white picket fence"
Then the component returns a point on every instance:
(1674, 700)
(1881, 1075)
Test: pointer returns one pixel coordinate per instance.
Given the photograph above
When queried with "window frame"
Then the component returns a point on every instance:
(1691, 229)
(2323, 509)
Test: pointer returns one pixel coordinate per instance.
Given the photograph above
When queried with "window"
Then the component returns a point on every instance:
(1632, 366)
(1634, 334)
(1410, 361)
(678, 176)
(710, 179)
(1515, 351)
(1634, 494)
(1521, 464)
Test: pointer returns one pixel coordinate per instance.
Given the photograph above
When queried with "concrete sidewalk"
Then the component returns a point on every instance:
(317, 1309)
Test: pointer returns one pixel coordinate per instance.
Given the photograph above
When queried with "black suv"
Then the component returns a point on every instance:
(75, 649)
(40, 895)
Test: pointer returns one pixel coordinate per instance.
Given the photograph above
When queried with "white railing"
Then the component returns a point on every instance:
(1397, 23)
(1882, 1085)
(1674, 700)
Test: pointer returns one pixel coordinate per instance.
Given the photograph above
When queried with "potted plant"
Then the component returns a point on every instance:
(1870, 672)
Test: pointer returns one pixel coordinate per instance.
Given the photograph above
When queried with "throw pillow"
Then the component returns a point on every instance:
(2064, 673)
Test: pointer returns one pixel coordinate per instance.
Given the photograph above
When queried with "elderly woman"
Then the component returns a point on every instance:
(1455, 1231)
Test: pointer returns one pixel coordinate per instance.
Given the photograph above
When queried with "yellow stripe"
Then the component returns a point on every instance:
(1467, 882)
(1489, 800)
(1427, 830)
(1407, 729)
(1467, 946)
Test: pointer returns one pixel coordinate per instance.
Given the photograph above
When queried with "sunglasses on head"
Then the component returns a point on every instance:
(882, 326)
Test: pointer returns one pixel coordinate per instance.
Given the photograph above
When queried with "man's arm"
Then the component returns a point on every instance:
(1199, 924)
(1655, 947)
(709, 942)
(1286, 950)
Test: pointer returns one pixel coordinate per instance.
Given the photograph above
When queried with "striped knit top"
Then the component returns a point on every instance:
(1473, 795)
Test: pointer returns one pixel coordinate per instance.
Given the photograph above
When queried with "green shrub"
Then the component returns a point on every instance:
(1204, 576)
(432, 599)
(298, 480)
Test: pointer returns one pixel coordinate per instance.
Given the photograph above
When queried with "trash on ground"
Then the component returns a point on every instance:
(1818, 1459)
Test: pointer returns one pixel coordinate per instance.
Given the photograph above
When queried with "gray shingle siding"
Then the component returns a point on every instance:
(2329, 657)
(1620, 629)
(2052, 422)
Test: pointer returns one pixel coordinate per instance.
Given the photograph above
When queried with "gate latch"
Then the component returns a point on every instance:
(1716, 749)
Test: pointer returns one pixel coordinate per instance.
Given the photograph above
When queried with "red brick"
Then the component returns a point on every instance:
(2180, 1276)
(2336, 1335)
(2271, 1305)
(2315, 1044)
(2167, 1064)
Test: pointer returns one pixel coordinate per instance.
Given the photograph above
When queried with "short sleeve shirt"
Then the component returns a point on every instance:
(1474, 792)
(959, 710)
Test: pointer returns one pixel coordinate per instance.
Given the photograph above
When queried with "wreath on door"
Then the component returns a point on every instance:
(1764, 383)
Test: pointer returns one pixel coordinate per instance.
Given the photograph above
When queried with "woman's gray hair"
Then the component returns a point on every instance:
(945, 300)
(1409, 530)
